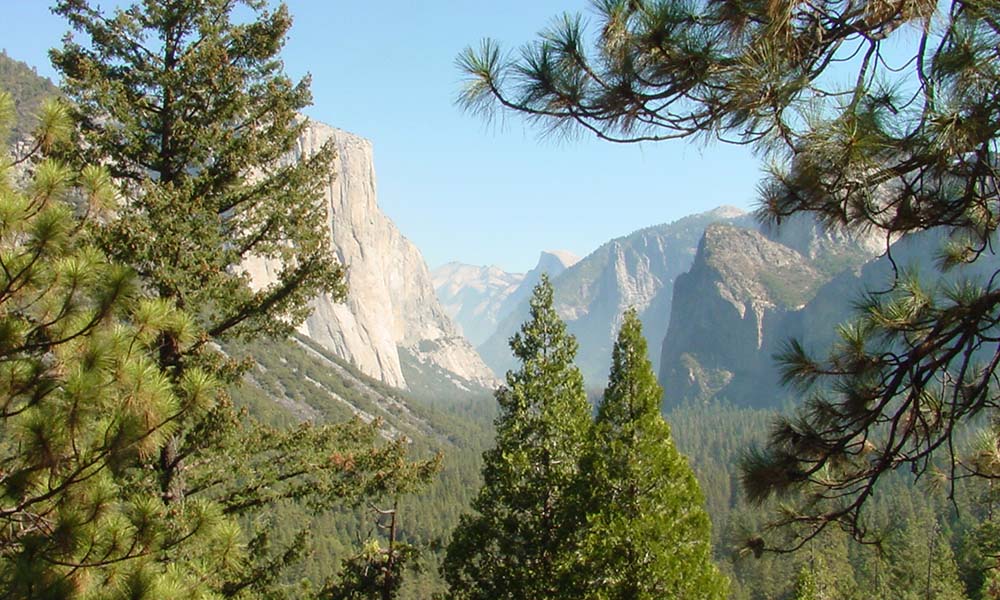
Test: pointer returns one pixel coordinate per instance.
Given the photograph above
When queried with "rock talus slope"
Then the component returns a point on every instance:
(391, 304)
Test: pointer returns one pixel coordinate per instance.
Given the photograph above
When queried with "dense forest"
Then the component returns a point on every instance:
(166, 433)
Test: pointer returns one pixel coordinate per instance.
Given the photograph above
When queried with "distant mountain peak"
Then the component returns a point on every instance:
(635, 270)
(560, 259)
(726, 212)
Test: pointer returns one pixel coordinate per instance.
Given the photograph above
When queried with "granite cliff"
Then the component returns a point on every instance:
(637, 270)
(748, 291)
(391, 309)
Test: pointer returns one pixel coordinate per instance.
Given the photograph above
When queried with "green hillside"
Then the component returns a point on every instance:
(27, 88)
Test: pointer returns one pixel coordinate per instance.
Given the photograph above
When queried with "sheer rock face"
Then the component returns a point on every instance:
(391, 304)
(746, 294)
(637, 270)
(740, 288)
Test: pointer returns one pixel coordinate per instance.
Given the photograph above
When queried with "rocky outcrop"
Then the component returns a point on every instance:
(726, 310)
(474, 297)
(637, 270)
(747, 293)
(391, 303)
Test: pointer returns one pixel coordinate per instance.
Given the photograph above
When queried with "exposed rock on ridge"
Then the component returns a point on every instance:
(637, 270)
(739, 289)
(746, 294)
(391, 303)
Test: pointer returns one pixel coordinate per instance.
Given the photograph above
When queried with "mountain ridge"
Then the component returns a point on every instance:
(391, 304)
(635, 270)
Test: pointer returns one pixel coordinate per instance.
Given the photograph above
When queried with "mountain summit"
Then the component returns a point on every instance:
(632, 271)
(391, 309)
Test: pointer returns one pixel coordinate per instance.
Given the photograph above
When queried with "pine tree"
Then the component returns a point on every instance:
(921, 561)
(83, 404)
(186, 104)
(647, 534)
(891, 142)
(519, 542)
(195, 120)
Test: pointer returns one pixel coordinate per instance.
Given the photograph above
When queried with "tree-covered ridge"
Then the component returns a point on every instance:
(28, 90)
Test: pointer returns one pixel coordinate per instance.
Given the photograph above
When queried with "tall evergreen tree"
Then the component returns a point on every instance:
(195, 119)
(647, 534)
(186, 104)
(83, 404)
(519, 542)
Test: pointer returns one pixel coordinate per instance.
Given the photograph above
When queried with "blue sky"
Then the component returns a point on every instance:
(459, 187)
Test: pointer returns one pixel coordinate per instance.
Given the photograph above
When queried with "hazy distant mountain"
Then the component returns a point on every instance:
(637, 270)
(746, 293)
(478, 298)
(391, 307)
(550, 262)
(474, 296)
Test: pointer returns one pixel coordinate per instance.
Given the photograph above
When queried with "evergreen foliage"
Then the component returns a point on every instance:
(895, 142)
(189, 110)
(196, 121)
(923, 564)
(647, 534)
(83, 404)
(519, 541)
(376, 572)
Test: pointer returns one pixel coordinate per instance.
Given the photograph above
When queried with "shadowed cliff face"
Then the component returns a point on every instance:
(637, 270)
(391, 303)
(740, 288)
(746, 294)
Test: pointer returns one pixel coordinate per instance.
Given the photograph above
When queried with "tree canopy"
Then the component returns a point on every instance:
(646, 534)
(83, 401)
(191, 112)
(187, 109)
(873, 115)
(519, 541)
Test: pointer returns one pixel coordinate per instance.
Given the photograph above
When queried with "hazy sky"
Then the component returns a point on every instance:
(460, 188)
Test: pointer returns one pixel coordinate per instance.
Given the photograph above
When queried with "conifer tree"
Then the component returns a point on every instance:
(195, 120)
(519, 542)
(647, 534)
(186, 104)
(83, 404)
(921, 561)
(192, 114)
